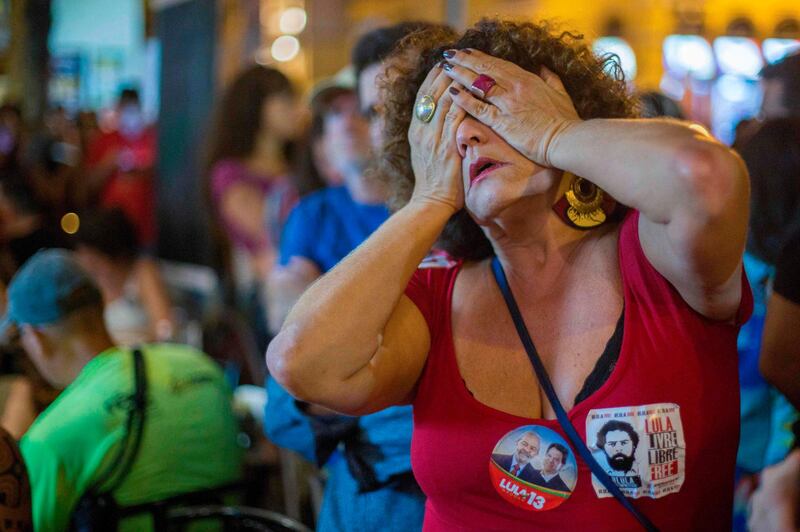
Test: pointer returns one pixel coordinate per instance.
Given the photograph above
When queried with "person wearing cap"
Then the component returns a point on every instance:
(188, 432)
(367, 458)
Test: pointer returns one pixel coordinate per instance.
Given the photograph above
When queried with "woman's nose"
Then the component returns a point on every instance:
(470, 133)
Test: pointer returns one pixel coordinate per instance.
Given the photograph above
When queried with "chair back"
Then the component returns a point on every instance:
(232, 519)
(196, 296)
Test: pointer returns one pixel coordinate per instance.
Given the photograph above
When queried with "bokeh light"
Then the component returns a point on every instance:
(285, 48)
(293, 20)
(689, 55)
(777, 49)
(738, 56)
(70, 223)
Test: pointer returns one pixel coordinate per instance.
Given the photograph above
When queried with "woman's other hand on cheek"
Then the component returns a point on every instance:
(434, 153)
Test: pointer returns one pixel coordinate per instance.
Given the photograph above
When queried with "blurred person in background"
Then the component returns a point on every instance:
(370, 484)
(655, 104)
(776, 502)
(313, 170)
(780, 350)
(249, 162)
(327, 224)
(120, 167)
(139, 425)
(137, 305)
(780, 96)
(780, 84)
(24, 226)
(11, 129)
(53, 157)
(772, 156)
(88, 129)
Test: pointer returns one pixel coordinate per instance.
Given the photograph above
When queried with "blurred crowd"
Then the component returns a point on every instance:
(291, 188)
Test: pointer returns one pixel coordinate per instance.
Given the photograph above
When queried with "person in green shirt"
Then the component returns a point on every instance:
(189, 436)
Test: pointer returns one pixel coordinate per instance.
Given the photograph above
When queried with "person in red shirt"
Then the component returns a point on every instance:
(622, 240)
(120, 167)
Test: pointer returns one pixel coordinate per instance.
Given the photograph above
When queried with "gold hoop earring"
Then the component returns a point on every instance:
(585, 206)
(585, 203)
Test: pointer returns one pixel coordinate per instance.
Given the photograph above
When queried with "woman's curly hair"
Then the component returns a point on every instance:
(595, 84)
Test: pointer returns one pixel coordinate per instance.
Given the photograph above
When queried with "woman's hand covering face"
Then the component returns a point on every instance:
(527, 110)
(434, 152)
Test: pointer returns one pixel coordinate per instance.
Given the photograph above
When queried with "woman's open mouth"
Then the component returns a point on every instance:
(482, 167)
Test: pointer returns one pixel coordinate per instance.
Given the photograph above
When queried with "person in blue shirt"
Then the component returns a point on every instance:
(329, 223)
(370, 484)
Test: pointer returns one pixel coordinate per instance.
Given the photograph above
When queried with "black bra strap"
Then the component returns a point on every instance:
(561, 414)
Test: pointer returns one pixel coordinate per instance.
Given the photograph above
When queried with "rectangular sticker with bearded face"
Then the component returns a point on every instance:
(642, 448)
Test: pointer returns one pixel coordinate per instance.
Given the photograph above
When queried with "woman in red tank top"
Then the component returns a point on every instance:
(633, 310)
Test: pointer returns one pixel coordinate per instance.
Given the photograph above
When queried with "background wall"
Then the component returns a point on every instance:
(108, 36)
(645, 23)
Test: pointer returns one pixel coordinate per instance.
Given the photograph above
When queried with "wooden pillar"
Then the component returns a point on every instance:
(28, 72)
(187, 31)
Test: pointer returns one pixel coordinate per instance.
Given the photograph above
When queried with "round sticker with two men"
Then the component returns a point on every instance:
(533, 468)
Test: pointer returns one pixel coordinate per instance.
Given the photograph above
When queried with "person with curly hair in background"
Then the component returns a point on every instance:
(622, 240)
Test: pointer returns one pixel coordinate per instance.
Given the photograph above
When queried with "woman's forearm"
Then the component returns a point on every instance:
(333, 331)
(654, 166)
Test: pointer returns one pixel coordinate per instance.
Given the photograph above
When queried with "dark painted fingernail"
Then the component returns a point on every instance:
(453, 91)
(447, 66)
(467, 51)
(449, 54)
(440, 64)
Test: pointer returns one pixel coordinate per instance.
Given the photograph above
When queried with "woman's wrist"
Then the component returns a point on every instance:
(560, 145)
(430, 208)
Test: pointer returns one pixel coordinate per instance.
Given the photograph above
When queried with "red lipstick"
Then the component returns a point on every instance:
(482, 167)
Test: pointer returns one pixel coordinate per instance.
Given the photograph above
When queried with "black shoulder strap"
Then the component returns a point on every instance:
(561, 414)
(127, 453)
